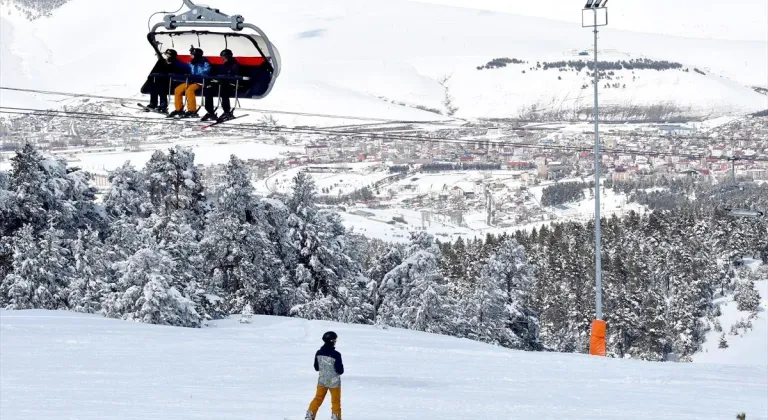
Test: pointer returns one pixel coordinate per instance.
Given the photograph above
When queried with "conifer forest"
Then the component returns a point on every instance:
(160, 248)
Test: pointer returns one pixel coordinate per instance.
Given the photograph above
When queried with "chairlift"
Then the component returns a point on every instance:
(212, 31)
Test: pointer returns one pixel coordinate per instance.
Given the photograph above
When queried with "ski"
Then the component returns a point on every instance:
(143, 108)
(222, 122)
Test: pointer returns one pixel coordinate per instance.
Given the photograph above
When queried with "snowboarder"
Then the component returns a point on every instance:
(328, 363)
(158, 86)
(223, 88)
(199, 67)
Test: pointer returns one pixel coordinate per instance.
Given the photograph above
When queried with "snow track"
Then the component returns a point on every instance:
(62, 365)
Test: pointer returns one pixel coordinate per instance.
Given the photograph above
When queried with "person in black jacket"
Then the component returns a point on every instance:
(330, 367)
(158, 86)
(224, 88)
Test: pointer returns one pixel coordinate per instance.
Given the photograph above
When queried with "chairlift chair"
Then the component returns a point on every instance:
(213, 31)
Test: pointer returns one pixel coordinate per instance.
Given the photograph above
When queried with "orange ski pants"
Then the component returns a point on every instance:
(320, 396)
(190, 89)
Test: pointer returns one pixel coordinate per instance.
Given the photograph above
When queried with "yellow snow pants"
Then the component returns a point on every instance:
(320, 396)
(190, 89)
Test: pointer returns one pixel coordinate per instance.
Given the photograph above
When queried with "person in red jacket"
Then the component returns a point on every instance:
(330, 367)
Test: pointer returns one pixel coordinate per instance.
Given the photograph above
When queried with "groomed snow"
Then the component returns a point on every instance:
(62, 365)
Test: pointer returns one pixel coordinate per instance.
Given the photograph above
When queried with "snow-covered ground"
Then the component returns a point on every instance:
(62, 365)
(347, 59)
(330, 179)
(387, 223)
(209, 151)
(706, 18)
(750, 347)
(610, 203)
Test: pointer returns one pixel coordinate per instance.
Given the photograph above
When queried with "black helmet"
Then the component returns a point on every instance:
(170, 52)
(196, 52)
(330, 337)
(226, 53)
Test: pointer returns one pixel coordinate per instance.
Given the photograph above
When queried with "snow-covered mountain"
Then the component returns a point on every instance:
(376, 59)
(59, 365)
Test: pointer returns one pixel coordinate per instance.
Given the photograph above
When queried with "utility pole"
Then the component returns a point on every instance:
(597, 336)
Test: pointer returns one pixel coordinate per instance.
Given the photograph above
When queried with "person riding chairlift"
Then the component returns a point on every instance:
(222, 88)
(198, 68)
(167, 64)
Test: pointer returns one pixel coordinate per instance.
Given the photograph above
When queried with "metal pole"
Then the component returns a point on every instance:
(598, 256)
(189, 4)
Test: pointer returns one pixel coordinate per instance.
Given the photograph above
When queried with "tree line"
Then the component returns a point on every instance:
(161, 248)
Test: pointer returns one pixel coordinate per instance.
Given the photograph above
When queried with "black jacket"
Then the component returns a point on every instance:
(231, 68)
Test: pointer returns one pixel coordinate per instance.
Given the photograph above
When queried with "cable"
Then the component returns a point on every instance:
(149, 21)
(264, 111)
(315, 131)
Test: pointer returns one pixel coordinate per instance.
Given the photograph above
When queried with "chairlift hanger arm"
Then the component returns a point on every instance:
(200, 16)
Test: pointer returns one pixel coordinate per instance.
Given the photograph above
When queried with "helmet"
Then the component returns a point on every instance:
(170, 52)
(226, 53)
(330, 337)
(196, 52)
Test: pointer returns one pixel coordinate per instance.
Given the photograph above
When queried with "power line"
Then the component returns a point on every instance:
(115, 118)
(383, 120)
(264, 111)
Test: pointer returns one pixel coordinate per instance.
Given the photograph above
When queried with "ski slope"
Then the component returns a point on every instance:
(370, 59)
(62, 365)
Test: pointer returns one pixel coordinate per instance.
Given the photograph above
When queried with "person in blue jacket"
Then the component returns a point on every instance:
(330, 367)
(199, 69)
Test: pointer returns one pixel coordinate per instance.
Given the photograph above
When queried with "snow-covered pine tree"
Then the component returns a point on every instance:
(302, 201)
(145, 292)
(46, 190)
(156, 182)
(127, 194)
(315, 281)
(17, 288)
(241, 258)
(746, 296)
(324, 272)
(8, 224)
(176, 237)
(560, 293)
(374, 289)
(415, 297)
(621, 293)
(247, 314)
(29, 186)
(41, 271)
(502, 301)
(723, 344)
(237, 197)
(174, 185)
(90, 273)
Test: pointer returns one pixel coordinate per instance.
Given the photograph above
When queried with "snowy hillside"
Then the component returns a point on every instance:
(708, 19)
(56, 365)
(746, 336)
(347, 58)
